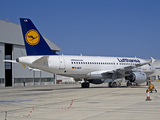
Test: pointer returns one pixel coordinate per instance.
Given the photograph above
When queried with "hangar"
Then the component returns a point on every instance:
(11, 47)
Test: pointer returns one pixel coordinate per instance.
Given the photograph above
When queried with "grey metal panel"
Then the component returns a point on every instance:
(47, 75)
(18, 51)
(2, 73)
(11, 33)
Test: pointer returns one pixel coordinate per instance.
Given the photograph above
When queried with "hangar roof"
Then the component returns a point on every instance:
(11, 33)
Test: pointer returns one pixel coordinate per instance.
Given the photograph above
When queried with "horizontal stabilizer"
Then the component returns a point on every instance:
(12, 61)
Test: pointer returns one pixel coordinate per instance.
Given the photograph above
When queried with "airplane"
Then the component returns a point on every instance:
(93, 69)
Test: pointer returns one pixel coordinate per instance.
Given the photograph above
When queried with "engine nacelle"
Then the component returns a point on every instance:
(137, 77)
(96, 81)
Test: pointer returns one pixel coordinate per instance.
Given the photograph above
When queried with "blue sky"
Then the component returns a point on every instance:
(124, 28)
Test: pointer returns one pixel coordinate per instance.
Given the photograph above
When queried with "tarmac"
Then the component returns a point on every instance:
(71, 102)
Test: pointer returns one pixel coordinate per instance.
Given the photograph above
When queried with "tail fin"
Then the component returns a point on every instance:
(34, 42)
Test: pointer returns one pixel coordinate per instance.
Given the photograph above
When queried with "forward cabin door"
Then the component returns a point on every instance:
(62, 63)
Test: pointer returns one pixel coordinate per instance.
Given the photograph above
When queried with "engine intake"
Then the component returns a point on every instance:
(130, 77)
(137, 77)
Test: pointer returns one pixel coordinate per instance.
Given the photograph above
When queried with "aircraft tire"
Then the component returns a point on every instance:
(82, 85)
(128, 83)
(85, 85)
(114, 84)
(110, 84)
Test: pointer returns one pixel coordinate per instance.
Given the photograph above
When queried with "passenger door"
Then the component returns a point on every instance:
(62, 63)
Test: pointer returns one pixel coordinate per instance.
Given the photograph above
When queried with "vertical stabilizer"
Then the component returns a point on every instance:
(34, 42)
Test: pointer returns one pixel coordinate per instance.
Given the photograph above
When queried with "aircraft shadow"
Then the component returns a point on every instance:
(98, 87)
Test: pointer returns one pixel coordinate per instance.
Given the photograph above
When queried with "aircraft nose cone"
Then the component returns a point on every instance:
(17, 60)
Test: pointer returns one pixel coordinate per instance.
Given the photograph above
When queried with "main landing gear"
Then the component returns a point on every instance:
(131, 84)
(85, 85)
(112, 84)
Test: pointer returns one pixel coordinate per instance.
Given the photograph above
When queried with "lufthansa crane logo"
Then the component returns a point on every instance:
(32, 37)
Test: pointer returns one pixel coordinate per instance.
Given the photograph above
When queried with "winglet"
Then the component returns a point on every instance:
(152, 60)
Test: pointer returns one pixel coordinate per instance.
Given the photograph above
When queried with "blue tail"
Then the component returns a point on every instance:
(34, 42)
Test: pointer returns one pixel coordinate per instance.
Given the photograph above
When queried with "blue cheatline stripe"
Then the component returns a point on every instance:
(15, 101)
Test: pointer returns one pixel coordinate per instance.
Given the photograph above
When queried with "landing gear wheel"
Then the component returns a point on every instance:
(110, 84)
(82, 85)
(129, 84)
(85, 85)
(114, 84)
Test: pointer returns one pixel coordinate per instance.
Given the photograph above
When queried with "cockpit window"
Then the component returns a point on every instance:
(149, 64)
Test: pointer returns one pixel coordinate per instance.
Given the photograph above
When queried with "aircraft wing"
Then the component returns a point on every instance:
(122, 70)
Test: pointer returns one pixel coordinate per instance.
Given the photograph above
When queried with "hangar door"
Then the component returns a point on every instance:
(8, 65)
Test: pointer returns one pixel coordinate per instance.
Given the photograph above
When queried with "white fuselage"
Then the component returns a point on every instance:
(83, 66)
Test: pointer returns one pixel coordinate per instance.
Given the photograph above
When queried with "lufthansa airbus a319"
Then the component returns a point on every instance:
(90, 68)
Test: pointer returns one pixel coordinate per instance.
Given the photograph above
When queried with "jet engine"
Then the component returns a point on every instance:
(137, 77)
(96, 81)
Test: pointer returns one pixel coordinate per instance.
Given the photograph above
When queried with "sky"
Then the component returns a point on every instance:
(118, 28)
